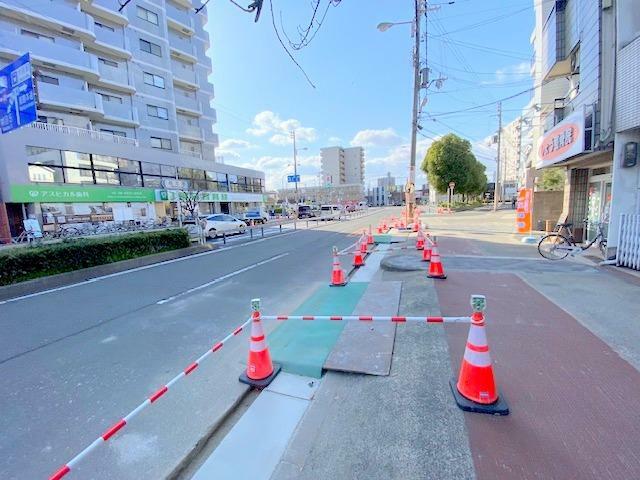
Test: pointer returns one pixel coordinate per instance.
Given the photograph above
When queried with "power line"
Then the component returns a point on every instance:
(484, 48)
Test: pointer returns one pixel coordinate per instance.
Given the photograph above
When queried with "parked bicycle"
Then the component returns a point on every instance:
(558, 245)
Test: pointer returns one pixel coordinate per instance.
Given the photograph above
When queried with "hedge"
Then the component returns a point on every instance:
(20, 264)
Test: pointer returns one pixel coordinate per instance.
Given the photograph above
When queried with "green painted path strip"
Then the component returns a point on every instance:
(300, 346)
(382, 238)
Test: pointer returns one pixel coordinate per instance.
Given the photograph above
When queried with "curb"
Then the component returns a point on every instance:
(62, 279)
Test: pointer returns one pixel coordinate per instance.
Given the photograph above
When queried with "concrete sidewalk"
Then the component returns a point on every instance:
(565, 342)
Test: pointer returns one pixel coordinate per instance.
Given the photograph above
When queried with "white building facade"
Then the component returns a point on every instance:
(123, 103)
(343, 165)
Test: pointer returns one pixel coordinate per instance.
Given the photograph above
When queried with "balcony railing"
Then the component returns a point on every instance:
(83, 132)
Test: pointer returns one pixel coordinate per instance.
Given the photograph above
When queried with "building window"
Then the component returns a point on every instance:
(151, 48)
(147, 15)
(78, 175)
(130, 180)
(109, 63)
(107, 178)
(45, 174)
(39, 36)
(116, 133)
(154, 80)
(105, 162)
(152, 181)
(163, 143)
(110, 98)
(104, 27)
(76, 159)
(168, 171)
(131, 166)
(48, 79)
(159, 112)
(150, 168)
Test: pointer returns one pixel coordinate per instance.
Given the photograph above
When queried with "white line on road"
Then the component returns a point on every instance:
(221, 279)
(145, 267)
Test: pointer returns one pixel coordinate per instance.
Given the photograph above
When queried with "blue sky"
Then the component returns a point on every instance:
(363, 80)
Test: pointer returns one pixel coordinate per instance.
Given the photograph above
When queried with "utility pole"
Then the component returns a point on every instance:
(411, 189)
(496, 190)
(295, 163)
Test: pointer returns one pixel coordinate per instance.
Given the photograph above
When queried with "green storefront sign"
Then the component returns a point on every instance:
(79, 194)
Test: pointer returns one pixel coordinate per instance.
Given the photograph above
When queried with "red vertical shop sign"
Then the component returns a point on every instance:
(523, 211)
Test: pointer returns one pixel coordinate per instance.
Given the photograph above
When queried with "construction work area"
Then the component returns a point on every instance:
(420, 355)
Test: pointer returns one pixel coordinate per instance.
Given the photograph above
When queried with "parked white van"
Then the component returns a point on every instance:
(330, 211)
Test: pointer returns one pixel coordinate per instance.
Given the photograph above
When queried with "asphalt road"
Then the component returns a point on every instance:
(73, 361)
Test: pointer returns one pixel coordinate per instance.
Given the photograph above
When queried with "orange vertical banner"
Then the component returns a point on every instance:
(524, 209)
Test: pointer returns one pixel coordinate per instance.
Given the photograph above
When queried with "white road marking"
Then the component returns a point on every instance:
(145, 267)
(221, 279)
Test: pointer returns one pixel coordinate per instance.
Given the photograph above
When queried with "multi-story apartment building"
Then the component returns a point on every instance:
(123, 102)
(343, 165)
(573, 102)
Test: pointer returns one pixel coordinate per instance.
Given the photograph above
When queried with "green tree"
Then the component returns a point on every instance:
(551, 179)
(449, 159)
(477, 182)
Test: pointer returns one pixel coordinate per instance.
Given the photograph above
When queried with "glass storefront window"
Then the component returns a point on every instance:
(152, 182)
(44, 156)
(45, 174)
(184, 172)
(107, 178)
(200, 185)
(150, 168)
(198, 174)
(211, 175)
(213, 186)
(76, 159)
(232, 178)
(105, 162)
(168, 171)
(129, 166)
(130, 180)
(77, 175)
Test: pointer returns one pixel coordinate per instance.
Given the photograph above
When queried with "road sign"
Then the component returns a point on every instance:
(293, 178)
(452, 185)
(17, 97)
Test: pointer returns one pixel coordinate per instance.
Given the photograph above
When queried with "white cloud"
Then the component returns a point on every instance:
(234, 143)
(375, 138)
(511, 73)
(268, 122)
(277, 168)
(221, 152)
(335, 140)
(396, 162)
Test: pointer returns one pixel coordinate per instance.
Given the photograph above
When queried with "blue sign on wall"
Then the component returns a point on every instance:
(293, 178)
(17, 97)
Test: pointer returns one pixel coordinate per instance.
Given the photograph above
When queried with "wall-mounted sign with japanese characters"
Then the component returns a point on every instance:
(564, 140)
(78, 194)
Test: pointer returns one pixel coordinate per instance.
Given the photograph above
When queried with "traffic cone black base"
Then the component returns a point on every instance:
(260, 384)
(499, 407)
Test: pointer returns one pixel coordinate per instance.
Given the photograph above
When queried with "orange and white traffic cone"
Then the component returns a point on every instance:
(436, 270)
(370, 237)
(357, 259)
(363, 243)
(420, 240)
(426, 250)
(337, 275)
(475, 389)
(260, 369)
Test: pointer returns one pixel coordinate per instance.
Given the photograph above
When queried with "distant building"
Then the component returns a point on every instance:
(342, 165)
(345, 194)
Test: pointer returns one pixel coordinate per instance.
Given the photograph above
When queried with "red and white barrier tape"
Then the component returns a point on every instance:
(369, 318)
(151, 399)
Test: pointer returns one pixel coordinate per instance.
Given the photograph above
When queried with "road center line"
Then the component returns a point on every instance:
(221, 279)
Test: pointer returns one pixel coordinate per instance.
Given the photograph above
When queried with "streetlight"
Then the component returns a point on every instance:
(384, 26)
